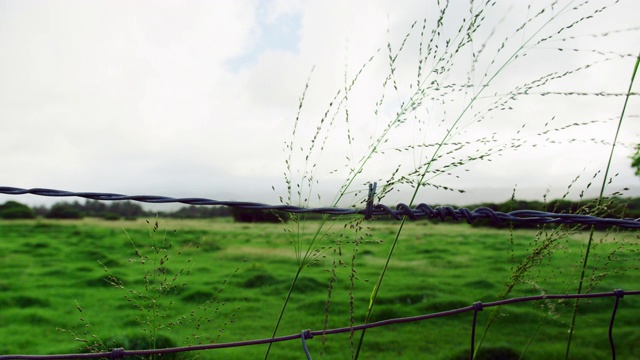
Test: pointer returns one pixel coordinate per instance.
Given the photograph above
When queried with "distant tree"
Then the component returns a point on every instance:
(110, 216)
(126, 209)
(16, 210)
(95, 208)
(635, 160)
(65, 211)
(632, 209)
(201, 212)
(244, 215)
(188, 212)
(41, 210)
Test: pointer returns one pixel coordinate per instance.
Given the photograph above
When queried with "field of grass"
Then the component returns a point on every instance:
(54, 287)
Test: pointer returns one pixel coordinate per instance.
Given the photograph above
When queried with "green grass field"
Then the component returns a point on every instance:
(233, 285)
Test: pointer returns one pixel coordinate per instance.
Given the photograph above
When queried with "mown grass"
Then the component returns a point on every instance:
(240, 272)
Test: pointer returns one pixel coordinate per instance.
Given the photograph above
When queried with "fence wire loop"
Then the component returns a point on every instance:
(306, 334)
(619, 293)
(117, 353)
(405, 210)
(477, 306)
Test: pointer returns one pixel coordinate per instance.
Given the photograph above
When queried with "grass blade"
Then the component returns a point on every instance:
(599, 201)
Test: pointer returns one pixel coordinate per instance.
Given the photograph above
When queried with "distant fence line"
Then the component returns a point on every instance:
(308, 334)
(401, 210)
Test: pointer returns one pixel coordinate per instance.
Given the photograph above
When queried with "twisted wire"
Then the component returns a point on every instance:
(308, 334)
(401, 210)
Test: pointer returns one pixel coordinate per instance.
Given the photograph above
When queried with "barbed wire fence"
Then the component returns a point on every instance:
(399, 212)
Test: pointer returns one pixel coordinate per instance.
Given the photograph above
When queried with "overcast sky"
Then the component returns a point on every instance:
(200, 98)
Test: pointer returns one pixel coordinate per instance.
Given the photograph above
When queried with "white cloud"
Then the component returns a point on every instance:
(199, 98)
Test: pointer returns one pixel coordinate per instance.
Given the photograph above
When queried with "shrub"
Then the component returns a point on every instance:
(253, 216)
(16, 210)
(64, 211)
(111, 216)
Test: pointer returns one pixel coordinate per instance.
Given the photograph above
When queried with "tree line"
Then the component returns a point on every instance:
(129, 210)
(107, 210)
(614, 207)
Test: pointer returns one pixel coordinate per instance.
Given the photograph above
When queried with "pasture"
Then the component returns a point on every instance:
(68, 285)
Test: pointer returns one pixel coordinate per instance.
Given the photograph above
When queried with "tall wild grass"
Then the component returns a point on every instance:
(454, 91)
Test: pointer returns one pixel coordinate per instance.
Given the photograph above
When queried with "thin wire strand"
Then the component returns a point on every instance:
(619, 295)
(401, 210)
(118, 353)
(477, 306)
(304, 335)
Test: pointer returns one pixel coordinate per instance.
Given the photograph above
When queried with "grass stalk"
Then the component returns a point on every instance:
(306, 259)
(374, 293)
(599, 201)
(284, 307)
(448, 135)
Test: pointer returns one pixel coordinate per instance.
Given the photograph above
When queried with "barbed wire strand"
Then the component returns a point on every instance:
(401, 210)
(308, 334)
